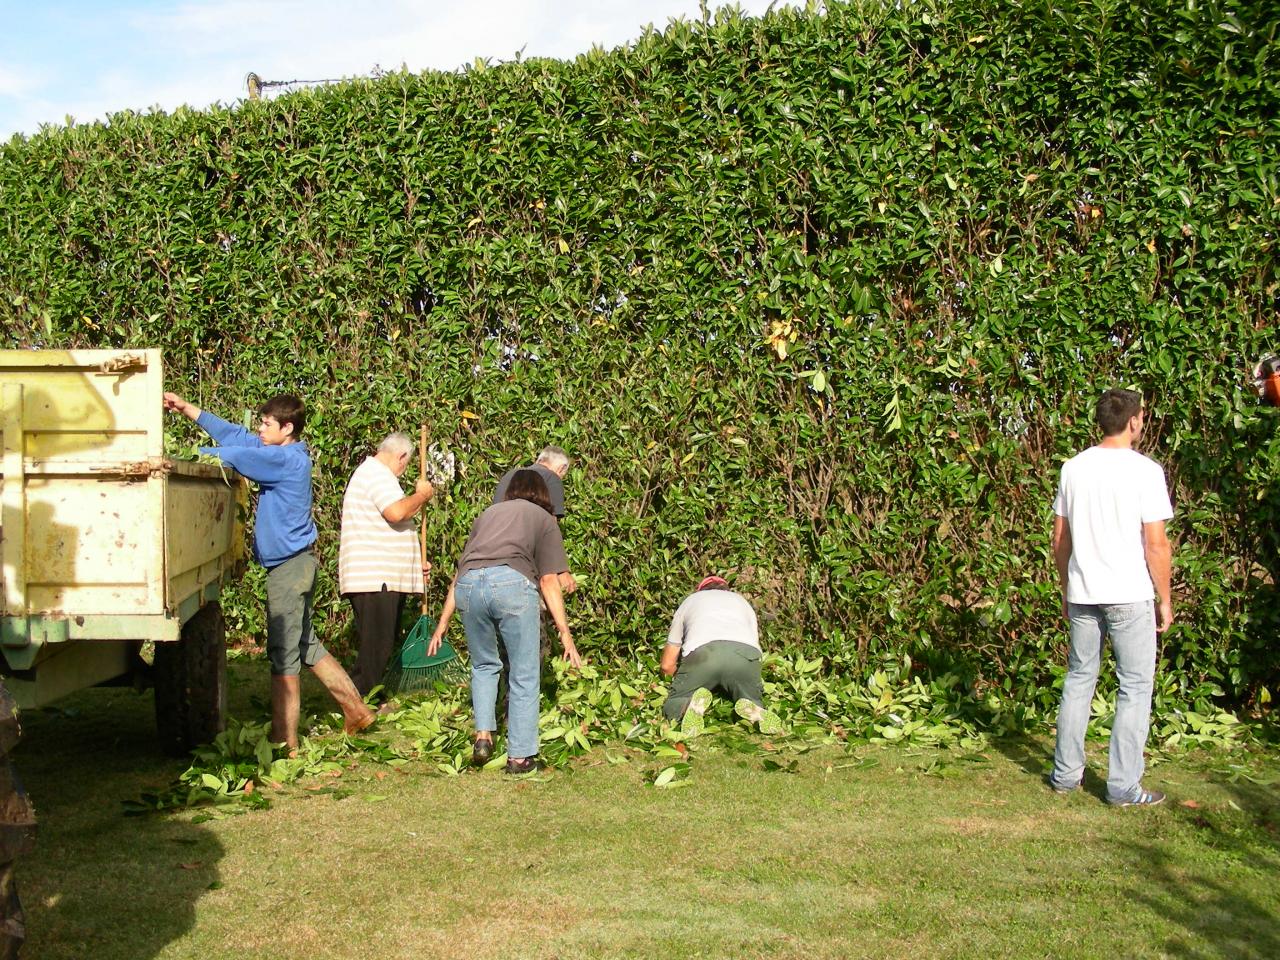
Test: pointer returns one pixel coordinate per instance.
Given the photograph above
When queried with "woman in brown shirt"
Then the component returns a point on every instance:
(514, 552)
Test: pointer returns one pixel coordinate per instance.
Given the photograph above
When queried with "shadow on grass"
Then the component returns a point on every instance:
(1222, 920)
(101, 884)
(1035, 758)
(1179, 875)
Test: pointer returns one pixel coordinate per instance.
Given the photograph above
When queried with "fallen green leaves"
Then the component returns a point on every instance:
(614, 715)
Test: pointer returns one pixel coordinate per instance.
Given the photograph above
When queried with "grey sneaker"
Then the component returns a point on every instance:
(769, 722)
(1145, 798)
(691, 724)
(1063, 788)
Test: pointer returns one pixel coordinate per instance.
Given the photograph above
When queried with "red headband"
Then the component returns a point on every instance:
(708, 581)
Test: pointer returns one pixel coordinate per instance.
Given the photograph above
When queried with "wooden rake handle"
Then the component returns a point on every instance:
(422, 526)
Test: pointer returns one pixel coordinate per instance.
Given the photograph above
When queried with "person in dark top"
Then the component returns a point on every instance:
(514, 552)
(552, 465)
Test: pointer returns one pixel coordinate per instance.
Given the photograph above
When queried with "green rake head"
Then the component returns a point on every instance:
(411, 669)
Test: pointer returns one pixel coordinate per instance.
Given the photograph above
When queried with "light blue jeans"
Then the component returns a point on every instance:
(1131, 627)
(500, 605)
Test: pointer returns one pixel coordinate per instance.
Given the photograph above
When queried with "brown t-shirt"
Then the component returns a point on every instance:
(519, 534)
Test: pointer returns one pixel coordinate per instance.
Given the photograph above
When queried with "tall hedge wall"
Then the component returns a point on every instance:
(822, 298)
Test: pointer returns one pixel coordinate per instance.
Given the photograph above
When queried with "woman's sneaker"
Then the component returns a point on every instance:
(1145, 798)
(481, 751)
(691, 724)
(768, 721)
(525, 766)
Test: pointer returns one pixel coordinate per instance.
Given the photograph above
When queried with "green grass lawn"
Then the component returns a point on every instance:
(865, 852)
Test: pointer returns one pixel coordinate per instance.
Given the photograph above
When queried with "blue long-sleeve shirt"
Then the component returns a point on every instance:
(283, 525)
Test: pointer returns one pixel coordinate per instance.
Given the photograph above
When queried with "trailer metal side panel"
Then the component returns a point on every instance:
(203, 512)
(93, 545)
(103, 405)
(101, 537)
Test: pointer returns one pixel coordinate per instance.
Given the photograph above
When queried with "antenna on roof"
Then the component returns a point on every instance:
(257, 86)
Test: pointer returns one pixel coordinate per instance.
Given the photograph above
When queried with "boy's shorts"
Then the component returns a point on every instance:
(291, 641)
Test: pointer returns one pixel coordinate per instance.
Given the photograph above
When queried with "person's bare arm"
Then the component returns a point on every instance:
(1159, 552)
(670, 660)
(406, 507)
(1062, 555)
(549, 584)
(175, 403)
(442, 624)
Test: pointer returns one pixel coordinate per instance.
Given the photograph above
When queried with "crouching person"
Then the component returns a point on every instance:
(280, 464)
(714, 647)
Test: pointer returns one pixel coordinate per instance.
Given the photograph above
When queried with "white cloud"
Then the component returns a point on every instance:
(17, 82)
(199, 52)
(12, 83)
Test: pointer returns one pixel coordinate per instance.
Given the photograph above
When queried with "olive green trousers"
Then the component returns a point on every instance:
(726, 667)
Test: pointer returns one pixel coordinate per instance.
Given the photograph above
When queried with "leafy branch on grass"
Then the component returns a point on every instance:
(615, 713)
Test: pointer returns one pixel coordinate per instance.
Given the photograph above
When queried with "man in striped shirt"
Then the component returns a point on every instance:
(378, 562)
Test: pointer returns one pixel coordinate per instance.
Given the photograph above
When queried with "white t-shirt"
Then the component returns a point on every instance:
(372, 552)
(713, 615)
(1106, 495)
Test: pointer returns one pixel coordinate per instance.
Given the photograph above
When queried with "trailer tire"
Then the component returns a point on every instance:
(191, 683)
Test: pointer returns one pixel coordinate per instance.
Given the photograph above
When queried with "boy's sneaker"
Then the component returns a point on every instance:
(1145, 798)
(691, 724)
(768, 721)
(1063, 788)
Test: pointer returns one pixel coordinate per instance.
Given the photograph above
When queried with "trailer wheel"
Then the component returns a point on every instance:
(191, 683)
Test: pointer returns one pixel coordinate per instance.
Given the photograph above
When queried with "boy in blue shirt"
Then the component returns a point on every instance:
(277, 460)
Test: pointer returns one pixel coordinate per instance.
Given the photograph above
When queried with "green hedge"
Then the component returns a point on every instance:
(963, 219)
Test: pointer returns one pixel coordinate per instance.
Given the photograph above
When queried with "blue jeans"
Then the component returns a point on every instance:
(1131, 628)
(499, 604)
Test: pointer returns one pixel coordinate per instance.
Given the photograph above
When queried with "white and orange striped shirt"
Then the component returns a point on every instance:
(373, 553)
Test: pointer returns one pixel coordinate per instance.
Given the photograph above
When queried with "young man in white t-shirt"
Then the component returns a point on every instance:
(1110, 548)
(378, 562)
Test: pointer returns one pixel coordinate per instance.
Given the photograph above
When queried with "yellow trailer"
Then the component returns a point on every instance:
(106, 543)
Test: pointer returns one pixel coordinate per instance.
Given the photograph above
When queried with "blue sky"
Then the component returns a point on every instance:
(61, 58)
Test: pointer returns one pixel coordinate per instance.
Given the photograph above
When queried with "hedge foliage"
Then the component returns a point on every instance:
(823, 299)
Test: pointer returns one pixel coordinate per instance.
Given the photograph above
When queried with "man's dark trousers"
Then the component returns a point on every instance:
(377, 627)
